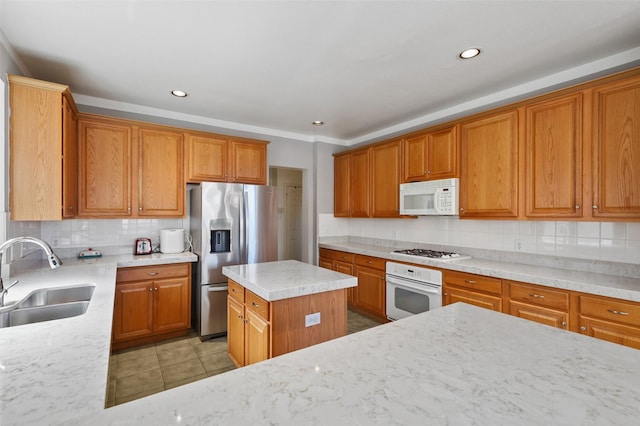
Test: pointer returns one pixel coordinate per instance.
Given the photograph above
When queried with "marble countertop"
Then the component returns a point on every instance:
(55, 370)
(602, 284)
(289, 278)
(458, 365)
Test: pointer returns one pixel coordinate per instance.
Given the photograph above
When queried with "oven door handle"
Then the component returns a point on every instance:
(425, 288)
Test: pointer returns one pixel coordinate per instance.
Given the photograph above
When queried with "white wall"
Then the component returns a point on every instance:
(615, 241)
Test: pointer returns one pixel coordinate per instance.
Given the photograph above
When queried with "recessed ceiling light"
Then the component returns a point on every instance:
(469, 53)
(317, 123)
(179, 93)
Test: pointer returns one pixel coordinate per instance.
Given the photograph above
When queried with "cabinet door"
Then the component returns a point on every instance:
(35, 123)
(161, 178)
(489, 165)
(133, 311)
(616, 150)
(256, 338)
(553, 158)
(611, 332)
(442, 154)
(386, 162)
(453, 295)
(235, 331)
(347, 268)
(539, 314)
(69, 161)
(323, 262)
(207, 159)
(341, 185)
(105, 168)
(371, 291)
(359, 205)
(171, 309)
(248, 162)
(415, 158)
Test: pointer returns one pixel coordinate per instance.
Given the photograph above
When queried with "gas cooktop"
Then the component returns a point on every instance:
(432, 254)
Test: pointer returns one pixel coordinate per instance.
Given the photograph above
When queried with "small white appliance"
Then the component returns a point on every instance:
(412, 290)
(172, 240)
(432, 197)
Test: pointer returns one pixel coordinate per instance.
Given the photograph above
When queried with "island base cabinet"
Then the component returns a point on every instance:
(258, 329)
(247, 334)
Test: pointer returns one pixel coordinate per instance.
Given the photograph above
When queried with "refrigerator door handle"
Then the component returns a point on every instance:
(218, 288)
(243, 227)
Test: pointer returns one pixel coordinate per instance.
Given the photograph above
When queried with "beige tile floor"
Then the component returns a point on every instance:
(143, 371)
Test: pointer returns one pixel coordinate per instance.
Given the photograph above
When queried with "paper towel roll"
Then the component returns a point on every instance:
(172, 240)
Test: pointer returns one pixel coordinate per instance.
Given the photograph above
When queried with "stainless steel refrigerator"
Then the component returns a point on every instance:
(231, 224)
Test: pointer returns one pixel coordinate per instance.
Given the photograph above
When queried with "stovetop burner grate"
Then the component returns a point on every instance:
(433, 254)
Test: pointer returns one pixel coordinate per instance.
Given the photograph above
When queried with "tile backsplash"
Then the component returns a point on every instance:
(111, 236)
(611, 241)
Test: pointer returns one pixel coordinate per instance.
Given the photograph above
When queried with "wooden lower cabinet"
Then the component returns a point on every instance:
(340, 262)
(370, 295)
(258, 329)
(478, 290)
(538, 303)
(614, 320)
(151, 303)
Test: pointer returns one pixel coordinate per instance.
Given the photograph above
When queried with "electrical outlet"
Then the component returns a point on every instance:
(517, 245)
(55, 242)
(312, 319)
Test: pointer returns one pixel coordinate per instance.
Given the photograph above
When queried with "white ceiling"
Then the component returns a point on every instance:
(369, 69)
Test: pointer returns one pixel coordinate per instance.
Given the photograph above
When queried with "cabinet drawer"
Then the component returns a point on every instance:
(326, 253)
(236, 291)
(474, 282)
(611, 309)
(158, 272)
(371, 262)
(538, 295)
(343, 257)
(257, 304)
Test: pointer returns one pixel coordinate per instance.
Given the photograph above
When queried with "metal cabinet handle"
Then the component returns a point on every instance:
(155, 289)
(537, 296)
(577, 207)
(564, 323)
(583, 328)
(150, 289)
(254, 304)
(613, 311)
(245, 320)
(469, 281)
(152, 273)
(240, 316)
(461, 209)
(594, 206)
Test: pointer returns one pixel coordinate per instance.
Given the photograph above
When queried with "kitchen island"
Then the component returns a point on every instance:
(279, 307)
(457, 365)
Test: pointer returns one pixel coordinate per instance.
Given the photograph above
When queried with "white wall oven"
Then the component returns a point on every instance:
(412, 290)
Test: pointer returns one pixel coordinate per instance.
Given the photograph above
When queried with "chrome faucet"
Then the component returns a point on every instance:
(54, 261)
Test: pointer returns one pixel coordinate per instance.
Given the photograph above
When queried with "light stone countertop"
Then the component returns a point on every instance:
(621, 287)
(56, 370)
(286, 279)
(458, 365)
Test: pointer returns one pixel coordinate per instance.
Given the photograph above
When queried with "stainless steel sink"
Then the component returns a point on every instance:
(47, 304)
(57, 295)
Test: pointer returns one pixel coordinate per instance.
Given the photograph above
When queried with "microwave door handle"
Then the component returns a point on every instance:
(436, 200)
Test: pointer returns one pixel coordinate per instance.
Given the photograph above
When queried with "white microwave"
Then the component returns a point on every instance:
(432, 197)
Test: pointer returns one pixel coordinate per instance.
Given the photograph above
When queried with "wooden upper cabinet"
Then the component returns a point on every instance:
(105, 156)
(161, 183)
(489, 164)
(616, 150)
(41, 136)
(69, 160)
(359, 202)
(341, 185)
(207, 158)
(553, 158)
(432, 155)
(386, 163)
(248, 162)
